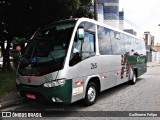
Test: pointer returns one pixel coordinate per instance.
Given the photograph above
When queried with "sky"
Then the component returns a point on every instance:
(144, 14)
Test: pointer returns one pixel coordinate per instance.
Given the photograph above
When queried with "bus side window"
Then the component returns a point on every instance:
(83, 49)
(75, 55)
(88, 46)
(129, 45)
(104, 41)
(138, 48)
(116, 42)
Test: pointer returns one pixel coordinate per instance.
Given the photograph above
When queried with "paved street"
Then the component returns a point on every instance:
(143, 96)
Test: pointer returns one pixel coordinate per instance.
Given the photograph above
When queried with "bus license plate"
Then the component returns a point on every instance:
(31, 96)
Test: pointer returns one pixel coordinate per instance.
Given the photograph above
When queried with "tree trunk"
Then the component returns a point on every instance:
(6, 56)
(2, 46)
(2, 51)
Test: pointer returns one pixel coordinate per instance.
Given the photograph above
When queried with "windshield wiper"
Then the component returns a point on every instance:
(51, 56)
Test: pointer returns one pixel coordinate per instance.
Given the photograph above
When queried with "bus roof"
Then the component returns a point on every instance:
(108, 26)
(92, 21)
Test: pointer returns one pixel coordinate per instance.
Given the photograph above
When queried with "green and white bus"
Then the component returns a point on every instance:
(76, 59)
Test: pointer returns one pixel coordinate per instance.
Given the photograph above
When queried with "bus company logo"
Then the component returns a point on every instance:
(29, 80)
(140, 60)
(6, 114)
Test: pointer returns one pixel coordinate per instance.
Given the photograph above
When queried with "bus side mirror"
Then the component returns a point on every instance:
(80, 33)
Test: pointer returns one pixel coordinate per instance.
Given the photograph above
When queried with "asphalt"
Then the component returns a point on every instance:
(14, 98)
(11, 99)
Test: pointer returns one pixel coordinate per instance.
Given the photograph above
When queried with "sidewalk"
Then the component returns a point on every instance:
(153, 64)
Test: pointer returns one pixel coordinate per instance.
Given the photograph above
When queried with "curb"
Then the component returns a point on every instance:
(11, 99)
(153, 64)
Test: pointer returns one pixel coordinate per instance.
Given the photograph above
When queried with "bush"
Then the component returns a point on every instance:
(16, 59)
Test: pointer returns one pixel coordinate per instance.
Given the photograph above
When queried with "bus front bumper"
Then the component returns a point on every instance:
(55, 94)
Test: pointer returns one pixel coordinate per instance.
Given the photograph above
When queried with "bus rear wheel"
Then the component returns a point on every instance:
(91, 94)
(134, 79)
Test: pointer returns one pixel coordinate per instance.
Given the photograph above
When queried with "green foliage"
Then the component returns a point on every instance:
(16, 59)
(74, 8)
(18, 40)
(86, 2)
(71, 7)
(84, 9)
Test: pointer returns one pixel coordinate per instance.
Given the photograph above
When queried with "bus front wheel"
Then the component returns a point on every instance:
(91, 94)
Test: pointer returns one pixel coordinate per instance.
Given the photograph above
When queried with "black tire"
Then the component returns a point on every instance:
(134, 79)
(91, 94)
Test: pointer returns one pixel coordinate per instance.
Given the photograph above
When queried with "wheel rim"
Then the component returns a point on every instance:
(134, 78)
(91, 93)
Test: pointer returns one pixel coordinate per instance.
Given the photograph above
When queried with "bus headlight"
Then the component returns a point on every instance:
(55, 83)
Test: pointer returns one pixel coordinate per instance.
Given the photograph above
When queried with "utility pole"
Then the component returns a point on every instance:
(95, 10)
(158, 49)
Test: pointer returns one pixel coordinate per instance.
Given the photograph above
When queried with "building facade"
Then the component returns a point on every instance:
(149, 39)
(108, 12)
(121, 20)
(111, 12)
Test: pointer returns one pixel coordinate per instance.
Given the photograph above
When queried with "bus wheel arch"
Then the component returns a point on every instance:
(93, 86)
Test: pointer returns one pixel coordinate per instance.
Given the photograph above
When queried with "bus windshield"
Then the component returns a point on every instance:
(47, 50)
(50, 43)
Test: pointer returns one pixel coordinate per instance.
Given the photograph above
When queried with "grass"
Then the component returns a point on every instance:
(7, 82)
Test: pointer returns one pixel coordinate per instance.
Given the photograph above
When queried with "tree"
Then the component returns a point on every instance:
(84, 9)
(7, 31)
(20, 18)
